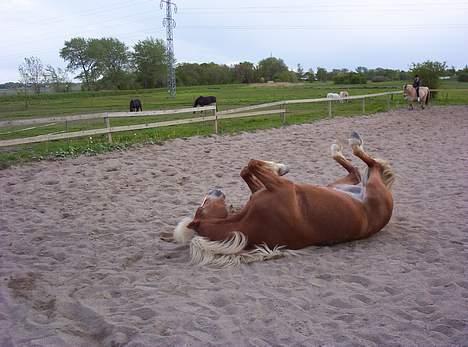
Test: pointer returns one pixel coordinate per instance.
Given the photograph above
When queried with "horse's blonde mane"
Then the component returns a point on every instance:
(183, 234)
(231, 251)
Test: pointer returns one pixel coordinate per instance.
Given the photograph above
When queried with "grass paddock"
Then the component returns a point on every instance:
(228, 96)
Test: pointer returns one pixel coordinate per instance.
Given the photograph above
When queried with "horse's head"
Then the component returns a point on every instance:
(213, 206)
(408, 89)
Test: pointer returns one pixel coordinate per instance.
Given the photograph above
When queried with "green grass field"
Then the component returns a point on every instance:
(228, 96)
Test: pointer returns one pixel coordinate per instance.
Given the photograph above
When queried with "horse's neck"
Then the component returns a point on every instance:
(218, 229)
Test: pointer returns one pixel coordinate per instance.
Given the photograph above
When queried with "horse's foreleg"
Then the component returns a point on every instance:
(263, 172)
(253, 183)
(353, 177)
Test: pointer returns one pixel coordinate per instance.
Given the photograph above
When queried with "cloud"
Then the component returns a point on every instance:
(16, 5)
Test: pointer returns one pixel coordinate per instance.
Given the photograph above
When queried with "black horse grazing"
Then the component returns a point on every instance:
(135, 105)
(205, 101)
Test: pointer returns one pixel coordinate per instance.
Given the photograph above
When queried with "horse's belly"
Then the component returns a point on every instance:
(339, 222)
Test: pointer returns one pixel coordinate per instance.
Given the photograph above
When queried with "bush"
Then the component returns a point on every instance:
(379, 79)
(349, 78)
(286, 76)
(429, 72)
(463, 77)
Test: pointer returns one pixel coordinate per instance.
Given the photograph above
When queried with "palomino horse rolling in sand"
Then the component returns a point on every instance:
(409, 93)
(282, 214)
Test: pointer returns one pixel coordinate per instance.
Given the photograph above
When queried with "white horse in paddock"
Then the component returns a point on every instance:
(333, 96)
(344, 94)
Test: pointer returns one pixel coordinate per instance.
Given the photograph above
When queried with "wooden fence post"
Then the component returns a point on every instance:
(216, 121)
(109, 133)
(388, 102)
(283, 107)
(363, 105)
(330, 109)
(66, 130)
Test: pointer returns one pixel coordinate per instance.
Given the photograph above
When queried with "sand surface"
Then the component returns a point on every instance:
(82, 264)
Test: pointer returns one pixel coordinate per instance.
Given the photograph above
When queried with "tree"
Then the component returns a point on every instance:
(58, 79)
(112, 60)
(79, 56)
(321, 74)
(150, 61)
(188, 74)
(206, 73)
(362, 70)
(286, 76)
(244, 72)
(271, 68)
(310, 75)
(349, 78)
(429, 72)
(105, 60)
(300, 72)
(463, 75)
(32, 73)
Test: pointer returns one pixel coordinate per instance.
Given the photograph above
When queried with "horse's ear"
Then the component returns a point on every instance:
(193, 224)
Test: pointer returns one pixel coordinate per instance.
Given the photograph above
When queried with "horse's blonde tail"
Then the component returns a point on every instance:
(388, 175)
(231, 251)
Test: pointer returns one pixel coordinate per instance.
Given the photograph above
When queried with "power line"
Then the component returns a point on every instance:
(351, 27)
(169, 23)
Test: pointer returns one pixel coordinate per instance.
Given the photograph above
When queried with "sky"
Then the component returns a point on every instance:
(330, 34)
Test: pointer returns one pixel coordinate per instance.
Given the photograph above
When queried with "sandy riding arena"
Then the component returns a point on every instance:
(82, 262)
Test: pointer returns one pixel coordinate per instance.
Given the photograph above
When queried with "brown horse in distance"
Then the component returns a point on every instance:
(283, 214)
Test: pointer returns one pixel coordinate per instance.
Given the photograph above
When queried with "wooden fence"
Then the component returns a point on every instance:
(280, 107)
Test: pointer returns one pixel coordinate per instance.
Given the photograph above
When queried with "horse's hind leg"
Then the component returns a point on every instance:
(356, 143)
(353, 177)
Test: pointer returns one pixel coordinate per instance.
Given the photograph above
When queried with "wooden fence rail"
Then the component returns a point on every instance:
(79, 117)
(247, 111)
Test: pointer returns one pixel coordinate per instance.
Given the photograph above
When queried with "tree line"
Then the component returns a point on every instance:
(108, 63)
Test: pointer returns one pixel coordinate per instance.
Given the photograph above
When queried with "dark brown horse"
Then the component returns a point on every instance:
(205, 101)
(283, 214)
(135, 105)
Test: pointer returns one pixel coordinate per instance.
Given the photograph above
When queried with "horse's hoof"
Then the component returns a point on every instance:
(356, 139)
(283, 170)
(336, 149)
(278, 168)
(217, 193)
